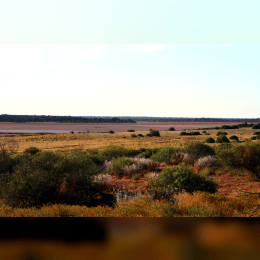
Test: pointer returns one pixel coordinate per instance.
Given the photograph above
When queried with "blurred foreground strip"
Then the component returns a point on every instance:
(151, 238)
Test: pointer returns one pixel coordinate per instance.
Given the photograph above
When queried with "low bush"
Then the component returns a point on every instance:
(233, 137)
(204, 132)
(207, 161)
(240, 156)
(171, 129)
(207, 133)
(133, 135)
(31, 150)
(113, 151)
(229, 127)
(140, 135)
(131, 130)
(183, 178)
(149, 135)
(184, 133)
(253, 137)
(194, 133)
(217, 128)
(221, 133)
(256, 133)
(49, 178)
(154, 133)
(164, 154)
(117, 165)
(199, 150)
(256, 126)
(178, 157)
(210, 140)
(111, 132)
(222, 139)
(148, 152)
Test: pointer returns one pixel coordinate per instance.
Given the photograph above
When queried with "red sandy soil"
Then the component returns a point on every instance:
(104, 127)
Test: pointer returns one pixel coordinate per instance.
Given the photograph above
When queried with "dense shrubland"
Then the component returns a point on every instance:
(36, 178)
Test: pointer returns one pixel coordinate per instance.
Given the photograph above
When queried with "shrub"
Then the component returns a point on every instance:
(31, 150)
(207, 133)
(154, 133)
(199, 150)
(178, 157)
(164, 154)
(71, 132)
(183, 133)
(145, 163)
(111, 132)
(140, 135)
(204, 132)
(194, 133)
(133, 135)
(233, 137)
(240, 156)
(253, 137)
(148, 153)
(182, 177)
(49, 178)
(131, 130)
(113, 151)
(207, 161)
(216, 127)
(222, 139)
(171, 129)
(256, 133)
(117, 165)
(149, 135)
(256, 126)
(210, 140)
(206, 171)
(221, 133)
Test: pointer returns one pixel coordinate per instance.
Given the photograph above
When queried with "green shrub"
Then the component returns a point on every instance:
(72, 132)
(194, 133)
(164, 154)
(136, 176)
(113, 151)
(133, 135)
(256, 126)
(31, 150)
(233, 137)
(207, 133)
(131, 130)
(140, 135)
(5, 162)
(253, 137)
(118, 163)
(204, 132)
(154, 133)
(229, 127)
(183, 133)
(49, 178)
(216, 127)
(111, 132)
(199, 150)
(256, 133)
(182, 177)
(221, 133)
(148, 152)
(210, 140)
(240, 156)
(149, 135)
(222, 139)
(171, 129)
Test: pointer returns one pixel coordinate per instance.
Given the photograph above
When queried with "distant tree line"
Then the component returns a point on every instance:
(60, 119)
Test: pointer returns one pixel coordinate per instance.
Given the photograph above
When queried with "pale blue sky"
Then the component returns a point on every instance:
(172, 58)
(171, 80)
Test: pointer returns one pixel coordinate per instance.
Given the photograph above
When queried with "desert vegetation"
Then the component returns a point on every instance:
(176, 175)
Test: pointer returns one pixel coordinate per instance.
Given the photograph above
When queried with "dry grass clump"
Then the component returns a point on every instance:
(207, 161)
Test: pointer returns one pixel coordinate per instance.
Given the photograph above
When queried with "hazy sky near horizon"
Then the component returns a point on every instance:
(164, 58)
(171, 80)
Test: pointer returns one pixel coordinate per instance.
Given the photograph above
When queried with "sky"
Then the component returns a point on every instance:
(131, 80)
(167, 58)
